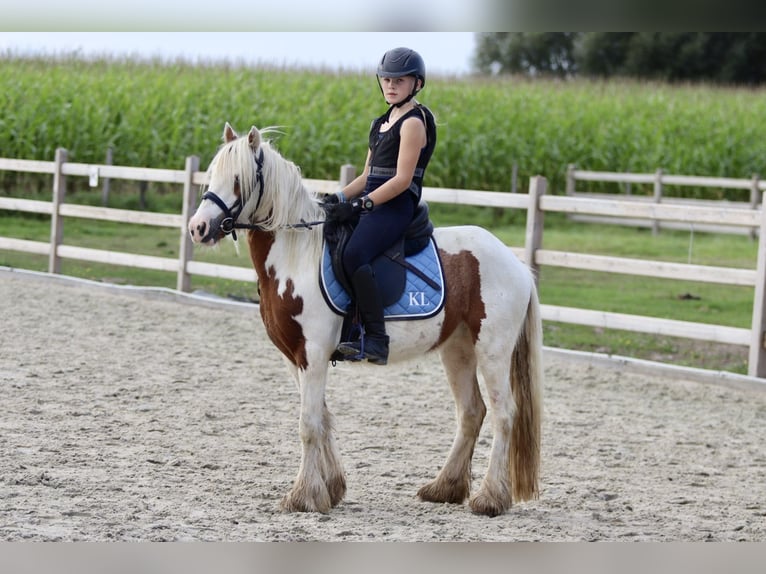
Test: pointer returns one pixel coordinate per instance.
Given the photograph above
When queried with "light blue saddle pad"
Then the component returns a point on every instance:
(419, 300)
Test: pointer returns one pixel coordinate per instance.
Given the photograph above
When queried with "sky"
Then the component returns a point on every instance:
(445, 53)
(256, 15)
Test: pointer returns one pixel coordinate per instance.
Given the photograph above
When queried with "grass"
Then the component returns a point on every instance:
(129, 238)
(674, 299)
(665, 298)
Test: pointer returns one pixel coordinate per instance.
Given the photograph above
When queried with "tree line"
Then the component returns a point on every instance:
(737, 58)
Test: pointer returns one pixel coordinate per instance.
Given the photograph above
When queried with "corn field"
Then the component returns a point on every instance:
(154, 114)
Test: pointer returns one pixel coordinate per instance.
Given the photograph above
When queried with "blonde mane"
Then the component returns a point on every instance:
(285, 200)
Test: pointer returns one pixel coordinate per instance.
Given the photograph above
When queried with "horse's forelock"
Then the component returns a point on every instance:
(234, 159)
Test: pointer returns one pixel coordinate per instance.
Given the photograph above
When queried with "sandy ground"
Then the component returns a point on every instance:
(145, 418)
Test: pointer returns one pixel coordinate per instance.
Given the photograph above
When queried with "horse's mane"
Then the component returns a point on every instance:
(285, 200)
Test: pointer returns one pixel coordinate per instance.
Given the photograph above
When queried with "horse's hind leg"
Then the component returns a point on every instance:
(495, 495)
(453, 482)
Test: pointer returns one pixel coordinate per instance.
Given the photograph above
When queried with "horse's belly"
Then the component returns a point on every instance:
(410, 339)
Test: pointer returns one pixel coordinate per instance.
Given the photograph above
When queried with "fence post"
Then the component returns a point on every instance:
(187, 247)
(106, 184)
(57, 222)
(756, 366)
(514, 177)
(657, 198)
(570, 189)
(347, 174)
(755, 199)
(534, 236)
(143, 185)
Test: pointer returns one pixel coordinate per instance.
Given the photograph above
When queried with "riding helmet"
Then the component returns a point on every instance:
(402, 62)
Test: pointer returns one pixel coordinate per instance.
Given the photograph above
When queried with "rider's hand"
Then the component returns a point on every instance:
(343, 212)
(330, 199)
(333, 198)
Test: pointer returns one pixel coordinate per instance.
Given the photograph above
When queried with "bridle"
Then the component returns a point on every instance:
(229, 223)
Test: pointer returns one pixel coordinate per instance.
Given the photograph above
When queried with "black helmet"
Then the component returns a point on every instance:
(402, 62)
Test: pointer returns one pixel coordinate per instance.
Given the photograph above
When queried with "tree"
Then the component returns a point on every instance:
(549, 53)
(721, 57)
(601, 54)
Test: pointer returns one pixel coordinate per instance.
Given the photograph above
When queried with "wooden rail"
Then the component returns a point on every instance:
(659, 180)
(536, 203)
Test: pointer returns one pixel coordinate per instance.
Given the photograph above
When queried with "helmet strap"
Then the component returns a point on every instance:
(415, 91)
(404, 101)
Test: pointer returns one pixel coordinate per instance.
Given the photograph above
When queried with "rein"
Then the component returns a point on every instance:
(229, 223)
(303, 224)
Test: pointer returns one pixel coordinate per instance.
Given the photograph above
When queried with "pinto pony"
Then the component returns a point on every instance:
(489, 324)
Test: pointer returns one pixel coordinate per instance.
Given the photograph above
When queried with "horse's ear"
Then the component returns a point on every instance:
(254, 138)
(228, 133)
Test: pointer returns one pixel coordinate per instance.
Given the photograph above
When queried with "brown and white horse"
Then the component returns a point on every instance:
(490, 324)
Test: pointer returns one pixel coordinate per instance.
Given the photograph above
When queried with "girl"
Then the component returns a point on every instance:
(386, 193)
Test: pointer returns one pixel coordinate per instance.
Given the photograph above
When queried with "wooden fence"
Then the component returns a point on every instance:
(536, 203)
(659, 181)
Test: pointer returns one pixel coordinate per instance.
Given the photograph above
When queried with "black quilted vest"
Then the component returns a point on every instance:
(385, 149)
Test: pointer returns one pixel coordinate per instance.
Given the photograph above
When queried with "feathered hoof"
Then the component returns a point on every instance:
(302, 500)
(336, 487)
(453, 492)
(488, 505)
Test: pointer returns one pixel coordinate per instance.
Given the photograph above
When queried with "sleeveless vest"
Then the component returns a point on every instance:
(385, 149)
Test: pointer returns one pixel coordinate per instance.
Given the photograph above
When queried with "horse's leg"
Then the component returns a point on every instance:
(320, 483)
(332, 470)
(512, 370)
(494, 496)
(453, 483)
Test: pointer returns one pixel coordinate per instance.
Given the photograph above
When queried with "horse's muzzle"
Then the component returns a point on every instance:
(209, 231)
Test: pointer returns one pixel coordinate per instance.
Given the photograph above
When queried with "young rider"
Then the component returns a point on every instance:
(386, 193)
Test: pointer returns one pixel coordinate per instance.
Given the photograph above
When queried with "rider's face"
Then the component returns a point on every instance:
(396, 90)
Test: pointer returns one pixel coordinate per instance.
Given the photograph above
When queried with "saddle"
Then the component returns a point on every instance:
(409, 273)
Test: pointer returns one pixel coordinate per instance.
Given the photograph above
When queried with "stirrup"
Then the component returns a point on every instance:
(356, 351)
(351, 350)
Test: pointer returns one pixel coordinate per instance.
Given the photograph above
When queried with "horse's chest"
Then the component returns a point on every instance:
(279, 312)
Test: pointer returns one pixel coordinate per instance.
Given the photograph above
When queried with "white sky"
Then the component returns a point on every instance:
(263, 15)
(443, 52)
(256, 15)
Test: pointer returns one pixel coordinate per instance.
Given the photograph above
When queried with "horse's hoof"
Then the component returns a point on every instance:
(487, 505)
(297, 500)
(336, 488)
(453, 492)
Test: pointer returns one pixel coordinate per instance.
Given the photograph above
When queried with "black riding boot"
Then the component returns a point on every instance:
(373, 345)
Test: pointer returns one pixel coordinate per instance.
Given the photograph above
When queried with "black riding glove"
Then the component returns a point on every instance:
(330, 199)
(343, 212)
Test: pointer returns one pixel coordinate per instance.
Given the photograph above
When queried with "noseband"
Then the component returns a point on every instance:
(229, 223)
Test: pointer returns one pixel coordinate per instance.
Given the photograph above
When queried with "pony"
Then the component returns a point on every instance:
(489, 325)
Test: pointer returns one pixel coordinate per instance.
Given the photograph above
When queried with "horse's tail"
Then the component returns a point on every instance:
(526, 383)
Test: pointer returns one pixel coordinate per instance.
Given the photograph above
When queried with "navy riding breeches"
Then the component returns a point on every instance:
(378, 230)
